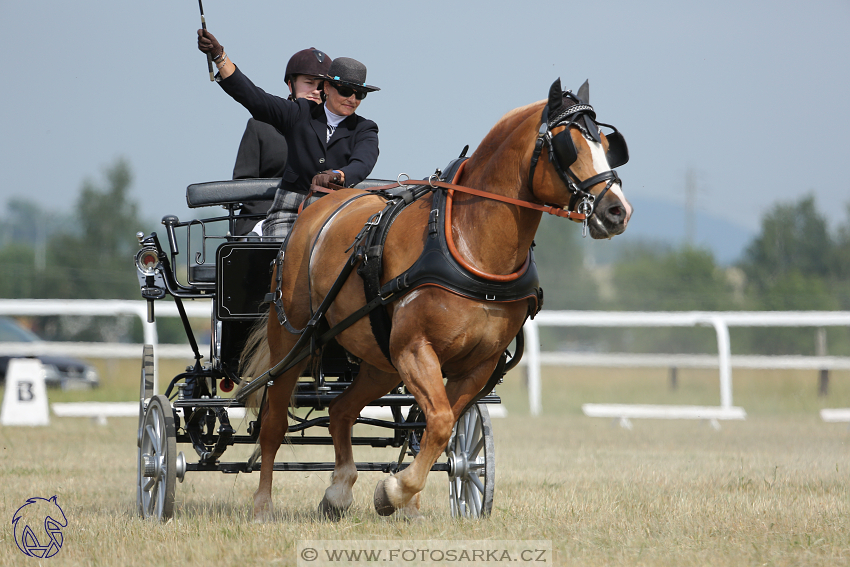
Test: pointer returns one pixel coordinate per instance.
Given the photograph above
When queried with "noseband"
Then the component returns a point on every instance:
(581, 196)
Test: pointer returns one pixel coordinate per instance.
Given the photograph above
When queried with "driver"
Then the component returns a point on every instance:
(262, 151)
(327, 143)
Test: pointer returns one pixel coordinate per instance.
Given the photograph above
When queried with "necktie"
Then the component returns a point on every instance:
(331, 129)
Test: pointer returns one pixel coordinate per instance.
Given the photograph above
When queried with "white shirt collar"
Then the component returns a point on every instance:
(333, 119)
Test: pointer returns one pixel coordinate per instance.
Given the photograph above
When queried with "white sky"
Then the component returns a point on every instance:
(750, 94)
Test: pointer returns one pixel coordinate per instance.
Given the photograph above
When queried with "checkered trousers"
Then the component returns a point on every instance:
(283, 212)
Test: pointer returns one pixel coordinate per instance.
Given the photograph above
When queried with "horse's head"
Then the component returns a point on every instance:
(578, 168)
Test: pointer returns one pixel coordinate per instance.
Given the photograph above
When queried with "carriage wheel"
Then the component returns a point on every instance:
(157, 461)
(145, 394)
(472, 464)
(146, 386)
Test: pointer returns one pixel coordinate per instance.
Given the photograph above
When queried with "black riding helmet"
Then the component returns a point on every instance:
(307, 62)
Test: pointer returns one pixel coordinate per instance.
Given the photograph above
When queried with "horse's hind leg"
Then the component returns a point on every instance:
(344, 410)
(274, 420)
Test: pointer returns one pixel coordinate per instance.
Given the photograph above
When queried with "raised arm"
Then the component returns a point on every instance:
(263, 106)
(207, 43)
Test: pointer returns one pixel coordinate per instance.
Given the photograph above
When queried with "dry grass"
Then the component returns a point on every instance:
(768, 491)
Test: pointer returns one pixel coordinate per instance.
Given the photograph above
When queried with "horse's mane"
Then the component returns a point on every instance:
(503, 131)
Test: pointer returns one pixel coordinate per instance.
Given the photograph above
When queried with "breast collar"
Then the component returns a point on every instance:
(436, 266)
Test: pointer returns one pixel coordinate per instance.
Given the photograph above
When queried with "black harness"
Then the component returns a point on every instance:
(435, 266)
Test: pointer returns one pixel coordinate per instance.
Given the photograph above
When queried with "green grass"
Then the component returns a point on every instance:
(771, 490)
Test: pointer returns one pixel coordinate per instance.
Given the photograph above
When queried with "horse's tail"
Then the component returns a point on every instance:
(255, 360)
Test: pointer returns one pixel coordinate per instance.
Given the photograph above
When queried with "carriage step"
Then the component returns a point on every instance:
(233, 468)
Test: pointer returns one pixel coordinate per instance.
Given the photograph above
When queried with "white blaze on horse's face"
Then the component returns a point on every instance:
(600, 164)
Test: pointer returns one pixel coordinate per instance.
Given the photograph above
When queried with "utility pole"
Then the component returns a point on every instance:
(690, 207)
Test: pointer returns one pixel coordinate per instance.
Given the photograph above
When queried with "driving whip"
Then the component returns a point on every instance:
(204, 27)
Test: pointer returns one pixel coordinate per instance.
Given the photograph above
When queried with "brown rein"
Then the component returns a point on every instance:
(552, 210)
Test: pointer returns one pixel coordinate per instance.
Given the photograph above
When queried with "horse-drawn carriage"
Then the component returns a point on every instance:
(445, 278)
(196, 408)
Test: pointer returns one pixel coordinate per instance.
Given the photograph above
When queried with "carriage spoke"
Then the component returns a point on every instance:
(470, 430)
(476, 502)
(154, 497)
(470, 501)
(473, 454)
(149, 484)
(155, 442)
(473, 478)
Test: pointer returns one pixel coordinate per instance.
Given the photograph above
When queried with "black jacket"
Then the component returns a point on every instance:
(353, 148)
(262, 153)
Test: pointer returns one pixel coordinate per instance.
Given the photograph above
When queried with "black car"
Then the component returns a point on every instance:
(60, 371)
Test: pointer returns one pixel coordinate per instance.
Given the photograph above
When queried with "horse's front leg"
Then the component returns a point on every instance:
(421, 374)
(369, 385)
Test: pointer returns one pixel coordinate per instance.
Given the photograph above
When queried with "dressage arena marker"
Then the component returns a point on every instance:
(25, 401)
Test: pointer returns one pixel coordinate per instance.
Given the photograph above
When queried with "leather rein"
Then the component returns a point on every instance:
(579, 189)
(435, 183)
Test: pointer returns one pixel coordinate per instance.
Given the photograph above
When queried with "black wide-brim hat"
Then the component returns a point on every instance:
(350, 73)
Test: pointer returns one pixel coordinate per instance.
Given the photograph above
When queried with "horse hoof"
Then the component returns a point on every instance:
(383, 506)
(330, 511)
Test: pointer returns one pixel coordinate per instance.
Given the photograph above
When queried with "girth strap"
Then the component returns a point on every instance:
(370, 247)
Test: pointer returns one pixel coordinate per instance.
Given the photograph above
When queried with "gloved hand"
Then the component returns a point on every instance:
(325, 178)
(207, 43)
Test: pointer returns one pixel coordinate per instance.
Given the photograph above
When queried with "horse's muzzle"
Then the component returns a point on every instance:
(610, 217)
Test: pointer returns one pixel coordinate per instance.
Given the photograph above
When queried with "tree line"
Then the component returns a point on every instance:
(795, 262)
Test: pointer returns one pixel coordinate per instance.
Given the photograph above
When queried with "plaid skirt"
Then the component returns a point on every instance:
(283, 212)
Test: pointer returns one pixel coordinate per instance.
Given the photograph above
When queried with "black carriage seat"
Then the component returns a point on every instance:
(230, 192)
(233, 192)
(236, 191)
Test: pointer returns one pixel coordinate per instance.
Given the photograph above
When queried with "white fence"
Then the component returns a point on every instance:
(534, 358)
(103, 307)
(719, 320)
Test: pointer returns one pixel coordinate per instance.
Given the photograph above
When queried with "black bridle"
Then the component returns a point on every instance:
(562, 154)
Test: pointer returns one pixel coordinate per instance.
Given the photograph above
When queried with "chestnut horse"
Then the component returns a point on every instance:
(434, 332)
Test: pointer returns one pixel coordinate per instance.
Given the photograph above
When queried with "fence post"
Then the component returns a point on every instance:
(820, 350)
(532, 348)
(724, 352)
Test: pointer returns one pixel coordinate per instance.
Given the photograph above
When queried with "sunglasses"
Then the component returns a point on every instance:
(346, 92)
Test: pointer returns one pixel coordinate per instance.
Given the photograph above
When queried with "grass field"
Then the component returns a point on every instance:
(771, 490)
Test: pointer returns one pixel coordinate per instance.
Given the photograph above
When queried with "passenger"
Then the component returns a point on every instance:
(262, 151)
(327, 143)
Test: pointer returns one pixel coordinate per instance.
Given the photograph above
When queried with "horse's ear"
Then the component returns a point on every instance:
(584, 92)
(555, 96)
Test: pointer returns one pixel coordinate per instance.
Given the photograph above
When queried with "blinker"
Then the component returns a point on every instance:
(564, 148)
(618, 151)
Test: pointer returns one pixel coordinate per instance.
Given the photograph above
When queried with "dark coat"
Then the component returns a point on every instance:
(262, 154)
(353, 148)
